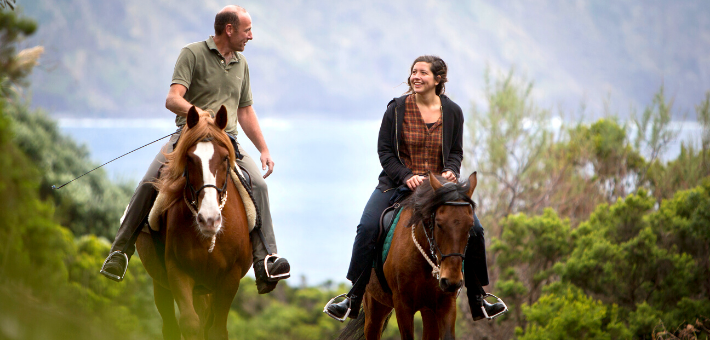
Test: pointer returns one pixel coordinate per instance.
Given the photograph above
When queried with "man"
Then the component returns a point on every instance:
(209, 74)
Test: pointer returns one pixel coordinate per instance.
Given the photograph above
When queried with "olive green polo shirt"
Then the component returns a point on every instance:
(211, 83)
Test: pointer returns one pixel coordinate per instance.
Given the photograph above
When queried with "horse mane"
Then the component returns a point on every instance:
(171, 182)
(424, 201)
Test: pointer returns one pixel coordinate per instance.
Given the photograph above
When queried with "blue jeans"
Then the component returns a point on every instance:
(366, 238)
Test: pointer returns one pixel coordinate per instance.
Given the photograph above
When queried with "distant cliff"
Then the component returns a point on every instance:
(115, 58)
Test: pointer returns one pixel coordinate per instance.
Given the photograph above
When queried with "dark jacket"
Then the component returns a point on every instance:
(394, 172)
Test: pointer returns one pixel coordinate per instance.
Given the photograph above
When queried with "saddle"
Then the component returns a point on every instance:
(159, 206)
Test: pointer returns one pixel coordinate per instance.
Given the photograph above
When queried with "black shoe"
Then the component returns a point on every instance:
(115, 266)
(339, 310)
(278, 269)
(492, 310)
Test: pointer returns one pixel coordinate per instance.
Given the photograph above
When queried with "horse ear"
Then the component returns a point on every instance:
(221, 118)
(435, 184)
(192, 117)
(472, 181)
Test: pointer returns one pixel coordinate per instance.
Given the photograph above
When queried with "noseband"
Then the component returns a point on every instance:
(194, 194)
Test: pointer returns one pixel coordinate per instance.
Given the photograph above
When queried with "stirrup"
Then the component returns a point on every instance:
(266, 268)
(110, 275)
(326, 311)
(491, 317)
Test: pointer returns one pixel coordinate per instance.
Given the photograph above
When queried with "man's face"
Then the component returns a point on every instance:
(240, 35)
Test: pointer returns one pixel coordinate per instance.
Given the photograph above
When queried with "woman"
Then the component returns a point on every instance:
(421, 131)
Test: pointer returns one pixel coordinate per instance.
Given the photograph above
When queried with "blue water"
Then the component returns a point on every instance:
(325, 171)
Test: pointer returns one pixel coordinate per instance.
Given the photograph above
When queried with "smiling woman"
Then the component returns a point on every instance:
(421, 133)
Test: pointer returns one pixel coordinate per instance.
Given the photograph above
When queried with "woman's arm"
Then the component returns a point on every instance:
(388, 151)
(453, 162)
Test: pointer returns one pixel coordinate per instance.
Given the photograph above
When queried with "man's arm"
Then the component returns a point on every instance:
(176, 102)
(250, 124)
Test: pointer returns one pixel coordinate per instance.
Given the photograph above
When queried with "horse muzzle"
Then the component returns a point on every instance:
(209, 224)
(450, 286)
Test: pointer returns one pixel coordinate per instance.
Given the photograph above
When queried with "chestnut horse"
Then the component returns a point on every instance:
(205, 237)
(423, 267)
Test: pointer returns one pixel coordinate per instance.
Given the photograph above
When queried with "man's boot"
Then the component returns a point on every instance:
(480, 308)
(133, 220)
(267, 276)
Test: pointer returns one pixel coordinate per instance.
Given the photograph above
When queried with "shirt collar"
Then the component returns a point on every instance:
(212, 46)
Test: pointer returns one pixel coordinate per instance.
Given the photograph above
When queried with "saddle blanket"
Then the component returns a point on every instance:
(249, 205)
(387, 242)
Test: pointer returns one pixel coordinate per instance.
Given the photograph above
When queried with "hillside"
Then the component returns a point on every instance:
(108, 58)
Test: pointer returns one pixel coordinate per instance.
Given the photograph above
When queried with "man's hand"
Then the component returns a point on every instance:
(414, 181)
(266, 161)
(449, 175)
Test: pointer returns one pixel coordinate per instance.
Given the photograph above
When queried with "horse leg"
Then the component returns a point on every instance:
(203, 310)
(405, 319)
(221, 302)
(446, 311)
(375, 316)
(431, 326)
(182, 286)
(166, 307)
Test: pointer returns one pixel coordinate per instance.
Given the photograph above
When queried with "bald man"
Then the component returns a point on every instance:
(209, 74)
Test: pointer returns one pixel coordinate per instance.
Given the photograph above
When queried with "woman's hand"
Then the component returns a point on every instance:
(414, 181)
(449, 175)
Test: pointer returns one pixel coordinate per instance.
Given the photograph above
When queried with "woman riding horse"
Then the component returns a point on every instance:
(421, 132)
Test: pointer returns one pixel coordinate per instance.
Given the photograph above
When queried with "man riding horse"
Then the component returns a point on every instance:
(209, 74)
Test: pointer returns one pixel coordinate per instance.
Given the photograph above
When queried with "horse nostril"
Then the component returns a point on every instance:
(444, 284)
(200, 219)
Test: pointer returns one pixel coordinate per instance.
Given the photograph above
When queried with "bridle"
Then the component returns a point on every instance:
(432, 239)
(192, 203)
(433, 246)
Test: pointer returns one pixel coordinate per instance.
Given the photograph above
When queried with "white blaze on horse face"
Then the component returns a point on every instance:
(209, 208)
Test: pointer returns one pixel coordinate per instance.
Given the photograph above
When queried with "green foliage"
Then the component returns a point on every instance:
(510, 141)
(653, 131)
(90, 205)
(526, 254)
(13, 67)
(572, 315)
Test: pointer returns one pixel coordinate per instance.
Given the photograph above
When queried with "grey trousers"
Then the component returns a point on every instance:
(145, 194)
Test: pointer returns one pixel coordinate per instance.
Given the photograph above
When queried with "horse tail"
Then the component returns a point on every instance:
(355, 329)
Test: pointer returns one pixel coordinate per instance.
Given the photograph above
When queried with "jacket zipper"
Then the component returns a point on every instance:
(443, 161)
(396, 135)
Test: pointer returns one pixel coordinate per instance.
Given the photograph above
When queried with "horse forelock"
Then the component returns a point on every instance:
(171, 182)
(425, 199)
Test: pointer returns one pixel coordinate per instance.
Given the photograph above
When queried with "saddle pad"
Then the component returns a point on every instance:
(250, 206)
(388, 238)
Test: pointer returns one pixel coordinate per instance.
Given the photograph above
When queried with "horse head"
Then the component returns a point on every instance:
(208, 157)
(451, 223)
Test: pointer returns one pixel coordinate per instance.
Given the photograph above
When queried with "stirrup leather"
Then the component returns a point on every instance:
(266, 268)
(326, 311)
(491, 317)
(110, 275)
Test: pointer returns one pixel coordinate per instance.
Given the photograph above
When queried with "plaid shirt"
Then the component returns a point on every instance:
(421, 146)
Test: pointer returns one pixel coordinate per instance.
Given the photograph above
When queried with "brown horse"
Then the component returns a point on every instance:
(423, 267)
(206, 242)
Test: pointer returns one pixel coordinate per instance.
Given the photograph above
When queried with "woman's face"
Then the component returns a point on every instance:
(421, 79)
